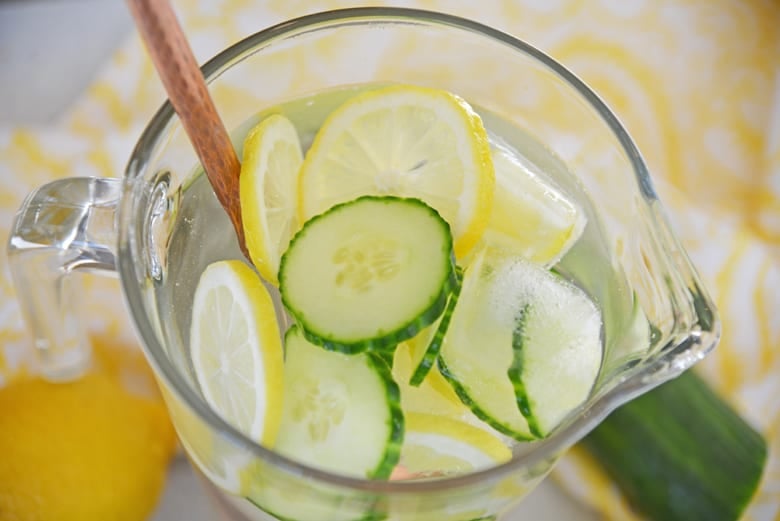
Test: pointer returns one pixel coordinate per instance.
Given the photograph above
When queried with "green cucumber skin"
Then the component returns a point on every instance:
(515, 373)
(680, 453)
(432, 351)
(386, 355)
(397, 426)
(464, 396)
(383, 340)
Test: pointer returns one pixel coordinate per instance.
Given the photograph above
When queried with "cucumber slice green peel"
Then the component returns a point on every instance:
(515, 373)
(369, 273)
(431, 353)
(332, 400)
(395, 436)
(478, 411)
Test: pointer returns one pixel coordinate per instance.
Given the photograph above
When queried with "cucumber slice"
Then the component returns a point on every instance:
(523, 343)
(477, 353)
(426, 345)
(369, 273)
(557, 345)
(341, 413)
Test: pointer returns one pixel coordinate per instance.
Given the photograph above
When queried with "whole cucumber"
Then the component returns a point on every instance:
(681, 453)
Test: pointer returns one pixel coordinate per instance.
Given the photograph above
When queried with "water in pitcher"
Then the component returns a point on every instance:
(533, 310)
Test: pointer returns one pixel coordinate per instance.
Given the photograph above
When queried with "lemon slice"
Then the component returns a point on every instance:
(268, 192)
(236, 349)
(530, 217)
(438, 445)
(404, 141)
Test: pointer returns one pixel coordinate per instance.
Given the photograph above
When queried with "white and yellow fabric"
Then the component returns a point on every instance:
(696, 82)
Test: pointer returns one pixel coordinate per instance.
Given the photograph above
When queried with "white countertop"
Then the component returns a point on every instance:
(49, 52)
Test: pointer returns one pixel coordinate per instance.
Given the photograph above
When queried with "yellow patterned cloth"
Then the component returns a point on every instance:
(696, 82)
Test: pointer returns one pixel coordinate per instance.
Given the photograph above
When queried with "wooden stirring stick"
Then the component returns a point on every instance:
(186, 88)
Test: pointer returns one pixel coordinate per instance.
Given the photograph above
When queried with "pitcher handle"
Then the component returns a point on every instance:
(64, 227)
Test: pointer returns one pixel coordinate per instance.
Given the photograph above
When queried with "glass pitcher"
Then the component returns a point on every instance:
(160, 225)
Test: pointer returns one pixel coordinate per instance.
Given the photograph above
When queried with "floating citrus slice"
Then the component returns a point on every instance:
(237, 358)
(268, 187)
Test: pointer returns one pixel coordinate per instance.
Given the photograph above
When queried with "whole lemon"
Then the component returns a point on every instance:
(81, 451)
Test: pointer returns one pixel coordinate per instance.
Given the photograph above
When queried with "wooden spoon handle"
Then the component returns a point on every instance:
(189, 95)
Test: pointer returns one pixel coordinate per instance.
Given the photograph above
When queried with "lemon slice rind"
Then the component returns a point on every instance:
(439, 444)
